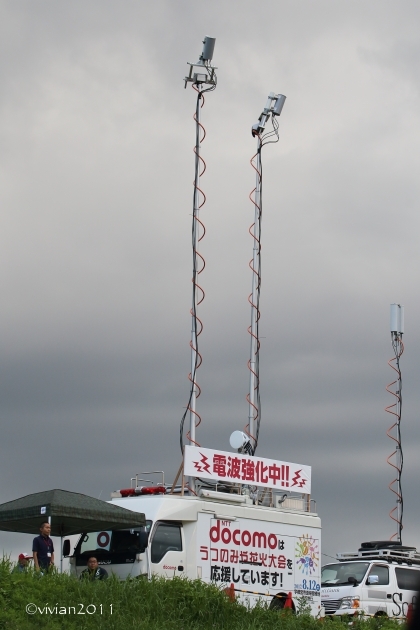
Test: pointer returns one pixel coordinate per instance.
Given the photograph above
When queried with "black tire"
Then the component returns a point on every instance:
(278, 602)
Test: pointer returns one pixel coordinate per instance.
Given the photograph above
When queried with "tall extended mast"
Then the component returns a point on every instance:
(272, 109)
(394, 432)
(202, 76)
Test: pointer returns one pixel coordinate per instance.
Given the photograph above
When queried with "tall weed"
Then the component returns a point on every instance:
(140, 605)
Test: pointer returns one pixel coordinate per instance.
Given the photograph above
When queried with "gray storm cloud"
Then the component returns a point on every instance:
(96, 191)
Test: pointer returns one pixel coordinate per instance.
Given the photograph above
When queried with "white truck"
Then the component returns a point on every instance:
(381, 579)
(259, 547)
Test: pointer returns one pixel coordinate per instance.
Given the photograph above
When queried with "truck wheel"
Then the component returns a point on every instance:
(278, 602)
(380, 613)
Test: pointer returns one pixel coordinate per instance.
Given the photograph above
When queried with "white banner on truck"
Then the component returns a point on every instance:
(254, 471)
(260, 557)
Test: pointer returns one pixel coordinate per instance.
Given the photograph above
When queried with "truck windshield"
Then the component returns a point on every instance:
(117, 541)
(339, 574)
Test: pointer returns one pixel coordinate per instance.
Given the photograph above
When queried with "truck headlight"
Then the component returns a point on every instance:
(350, 602)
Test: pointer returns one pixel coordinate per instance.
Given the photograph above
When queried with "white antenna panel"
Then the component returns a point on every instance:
(208, 48)
(397, 318)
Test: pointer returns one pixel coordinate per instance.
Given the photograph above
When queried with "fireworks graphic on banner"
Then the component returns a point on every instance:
(307, 554)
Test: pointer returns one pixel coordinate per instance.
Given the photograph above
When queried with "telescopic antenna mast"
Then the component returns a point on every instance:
(202, 77)
(394, 432)
(272, 109)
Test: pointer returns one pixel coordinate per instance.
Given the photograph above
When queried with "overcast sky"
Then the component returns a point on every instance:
(96, 169)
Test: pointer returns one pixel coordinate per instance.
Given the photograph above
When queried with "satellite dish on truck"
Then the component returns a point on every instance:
(240, 441)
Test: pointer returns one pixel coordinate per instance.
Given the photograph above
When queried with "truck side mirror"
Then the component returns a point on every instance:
(143, 541)
(373, 579)
(66, 548)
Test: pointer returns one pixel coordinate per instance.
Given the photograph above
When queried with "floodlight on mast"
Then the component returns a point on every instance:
(203, 78)
(209, 76)
(272, 109)
(269, 109)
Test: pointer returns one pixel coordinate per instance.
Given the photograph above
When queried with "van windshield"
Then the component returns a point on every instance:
(117, 541)
(339, 574)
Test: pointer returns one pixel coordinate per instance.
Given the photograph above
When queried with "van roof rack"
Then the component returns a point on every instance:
(382, 544)
(383, 550)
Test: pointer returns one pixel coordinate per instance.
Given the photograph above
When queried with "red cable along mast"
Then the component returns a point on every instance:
(272, 109)
(394, 432)
(199, 263)
(203, 80)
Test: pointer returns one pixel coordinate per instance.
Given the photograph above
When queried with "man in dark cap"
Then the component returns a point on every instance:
(22, 564)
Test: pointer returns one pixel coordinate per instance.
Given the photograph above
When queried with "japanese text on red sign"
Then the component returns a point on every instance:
(245, 469)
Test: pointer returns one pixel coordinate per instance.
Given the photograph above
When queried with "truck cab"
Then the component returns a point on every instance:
(259, 547)
(381, 579)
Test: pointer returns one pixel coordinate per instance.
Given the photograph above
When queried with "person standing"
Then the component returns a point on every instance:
(43, 549)
(93, 571)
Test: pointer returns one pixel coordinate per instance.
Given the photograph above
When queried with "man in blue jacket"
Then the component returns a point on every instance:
(94, 571)
(43, 549)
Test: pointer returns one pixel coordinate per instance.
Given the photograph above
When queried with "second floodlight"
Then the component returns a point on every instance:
(278, 105)
(274, 106)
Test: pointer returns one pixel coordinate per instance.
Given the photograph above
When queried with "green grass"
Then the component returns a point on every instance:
(141, 605)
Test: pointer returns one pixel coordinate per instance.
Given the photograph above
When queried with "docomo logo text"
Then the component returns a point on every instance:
(103, 539)
(244, 537)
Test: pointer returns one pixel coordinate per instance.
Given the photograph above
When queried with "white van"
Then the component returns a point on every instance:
(381, 579)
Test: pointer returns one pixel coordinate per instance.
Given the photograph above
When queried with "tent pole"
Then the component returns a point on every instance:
(49, 522)
(61, 547)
